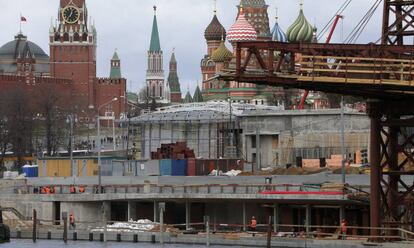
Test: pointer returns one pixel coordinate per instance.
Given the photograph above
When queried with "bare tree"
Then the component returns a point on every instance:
(52, 111)
(4, 139)
(144, 98)
(19, 123)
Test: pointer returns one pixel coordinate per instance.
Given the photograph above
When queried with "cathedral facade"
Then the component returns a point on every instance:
(252, 24)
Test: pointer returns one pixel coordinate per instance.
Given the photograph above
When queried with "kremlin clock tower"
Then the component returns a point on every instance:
(73, 49)
(73, 43)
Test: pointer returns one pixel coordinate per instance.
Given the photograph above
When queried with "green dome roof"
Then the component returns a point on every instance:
(301, 30)
(221, 54)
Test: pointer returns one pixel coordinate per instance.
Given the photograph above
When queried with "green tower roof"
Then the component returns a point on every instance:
(155, 38)
(188, 98)
(115, 57)
(115, 67)
(173, 79)
(198, 97)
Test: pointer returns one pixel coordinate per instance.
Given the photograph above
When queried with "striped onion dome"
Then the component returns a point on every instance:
(301, 30)
(222, 54)
(278, 34)
(241, 30)
(214, 31)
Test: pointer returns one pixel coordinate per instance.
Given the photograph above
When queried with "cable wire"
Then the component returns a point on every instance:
(360, 27)
(325, 29)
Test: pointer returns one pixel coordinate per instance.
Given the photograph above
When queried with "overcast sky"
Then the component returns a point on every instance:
(126, 25)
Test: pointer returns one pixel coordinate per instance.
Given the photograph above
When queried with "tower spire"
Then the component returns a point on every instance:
(155, 38)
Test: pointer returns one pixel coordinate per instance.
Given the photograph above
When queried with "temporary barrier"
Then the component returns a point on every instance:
(148, 168)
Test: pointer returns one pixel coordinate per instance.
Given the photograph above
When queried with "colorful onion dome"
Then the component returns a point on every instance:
(222, 54)
(301, 30)
(241, 30)
(214, 31)
(278, 34)
(253, 3)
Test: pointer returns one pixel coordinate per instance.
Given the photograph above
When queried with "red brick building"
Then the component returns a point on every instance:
(73, 43)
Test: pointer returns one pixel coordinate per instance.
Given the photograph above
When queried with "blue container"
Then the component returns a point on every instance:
(166, 167)
(179, 168)
(31, 171)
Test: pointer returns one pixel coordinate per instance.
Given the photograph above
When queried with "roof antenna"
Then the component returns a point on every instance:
(277, 16)
(215, 7)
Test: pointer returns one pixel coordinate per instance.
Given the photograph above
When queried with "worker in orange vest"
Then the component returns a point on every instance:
(344, 229)
(72, 221)
(253, 224)
(81, 189)
(72, 189)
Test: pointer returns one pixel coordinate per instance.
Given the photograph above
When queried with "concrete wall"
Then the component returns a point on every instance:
(25, 207)
(85, 211)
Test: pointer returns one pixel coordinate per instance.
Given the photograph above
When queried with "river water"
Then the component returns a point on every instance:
(54, 244)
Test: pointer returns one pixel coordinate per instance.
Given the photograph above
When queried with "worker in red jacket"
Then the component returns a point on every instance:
(253, 224)
(72, 221)
(344, 229)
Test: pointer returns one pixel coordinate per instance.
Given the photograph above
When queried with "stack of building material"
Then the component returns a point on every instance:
(332, 187)
(358, 157)
(311, 163)
(334, 161)
(178, 150)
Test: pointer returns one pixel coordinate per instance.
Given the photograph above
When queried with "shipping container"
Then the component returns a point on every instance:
(166, 167)
(191, 167)
(205, 166)
(179, 167)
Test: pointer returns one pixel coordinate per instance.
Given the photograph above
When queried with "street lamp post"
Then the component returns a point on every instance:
(99, 144)
(71, 120)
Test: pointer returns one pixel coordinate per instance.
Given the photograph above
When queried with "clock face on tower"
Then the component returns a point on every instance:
(70, 14)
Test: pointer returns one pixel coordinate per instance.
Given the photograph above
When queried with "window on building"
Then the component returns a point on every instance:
(66, 37)
(253, 141)
(85, 37)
